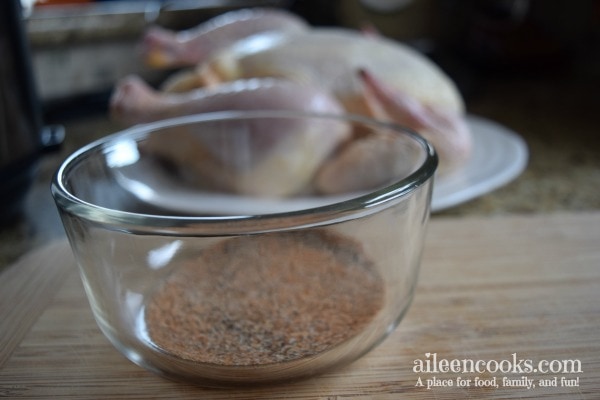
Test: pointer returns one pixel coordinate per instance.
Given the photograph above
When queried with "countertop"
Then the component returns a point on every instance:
(526, 317)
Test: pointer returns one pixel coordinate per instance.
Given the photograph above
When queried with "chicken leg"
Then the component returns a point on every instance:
(162, 48)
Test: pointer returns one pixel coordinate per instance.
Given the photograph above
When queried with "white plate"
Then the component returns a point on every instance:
(499, 155)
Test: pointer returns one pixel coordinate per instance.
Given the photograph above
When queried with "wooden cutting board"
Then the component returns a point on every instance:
(493, 291)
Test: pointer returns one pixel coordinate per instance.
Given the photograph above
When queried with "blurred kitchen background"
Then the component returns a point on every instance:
(80, 47)
(530, 65)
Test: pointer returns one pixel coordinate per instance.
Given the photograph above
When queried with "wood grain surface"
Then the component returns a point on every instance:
(495, 289)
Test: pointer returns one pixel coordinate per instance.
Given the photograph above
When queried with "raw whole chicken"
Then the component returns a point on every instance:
(365, 73)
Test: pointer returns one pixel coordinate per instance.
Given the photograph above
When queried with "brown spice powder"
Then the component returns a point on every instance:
(265, 299)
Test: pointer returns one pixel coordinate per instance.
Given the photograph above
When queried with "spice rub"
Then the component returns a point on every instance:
(263, 299)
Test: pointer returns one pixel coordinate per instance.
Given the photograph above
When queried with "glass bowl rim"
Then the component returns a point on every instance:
(167, 223)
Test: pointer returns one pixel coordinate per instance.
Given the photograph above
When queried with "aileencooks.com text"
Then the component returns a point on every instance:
(432, 364)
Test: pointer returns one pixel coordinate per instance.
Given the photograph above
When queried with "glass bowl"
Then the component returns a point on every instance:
(209, 254)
